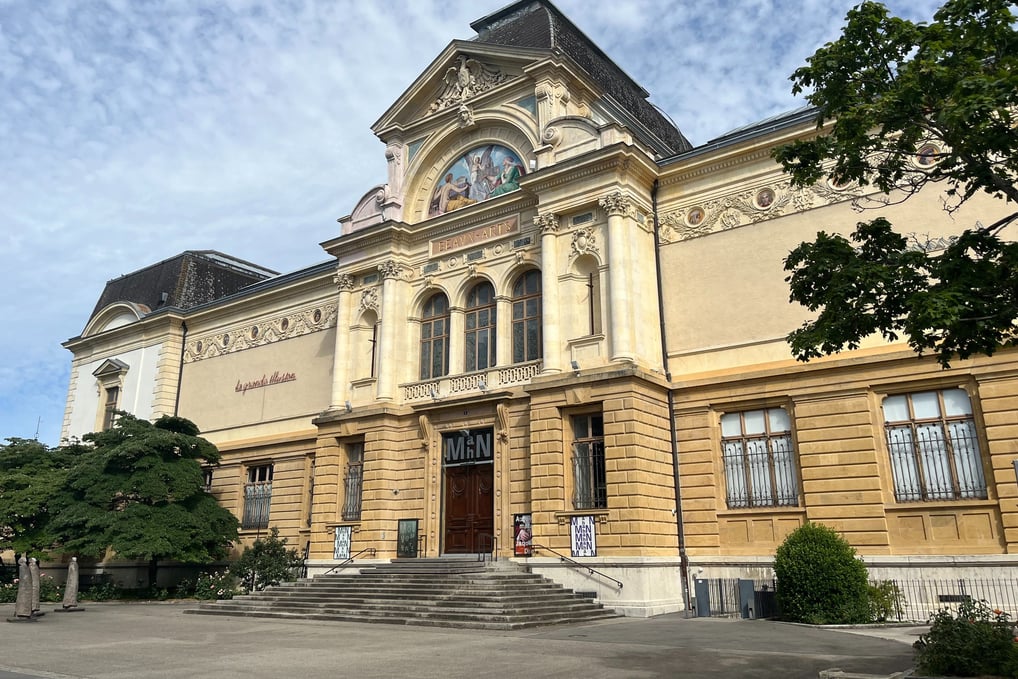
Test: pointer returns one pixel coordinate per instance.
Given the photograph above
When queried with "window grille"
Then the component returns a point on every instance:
(353, 482)
(257, 497)
(590, 485)
(759, 459)
(933, 446)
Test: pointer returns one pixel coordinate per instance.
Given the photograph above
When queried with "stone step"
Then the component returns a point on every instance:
(421, 592)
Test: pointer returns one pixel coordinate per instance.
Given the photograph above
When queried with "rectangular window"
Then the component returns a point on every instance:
(758, 456)
(353, 482)
(934, 449)
(110, 407)
(257, 497)
(590, 485)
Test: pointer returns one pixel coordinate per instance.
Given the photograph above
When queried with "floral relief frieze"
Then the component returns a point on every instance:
(304, 321)
(748, 206)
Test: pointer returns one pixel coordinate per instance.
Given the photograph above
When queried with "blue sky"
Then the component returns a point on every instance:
(132, 130)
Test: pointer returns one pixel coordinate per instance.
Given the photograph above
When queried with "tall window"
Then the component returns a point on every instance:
(110, 407)
(590, 485)
(257, 497)
(435, 337)
(758, 456)
(931, 438)
(480, 327)
(353, 482)
(527, 317)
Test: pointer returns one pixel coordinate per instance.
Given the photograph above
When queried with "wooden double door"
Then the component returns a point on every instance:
(469, 508)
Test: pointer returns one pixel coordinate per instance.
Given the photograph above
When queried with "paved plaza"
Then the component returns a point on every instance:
(158, 641)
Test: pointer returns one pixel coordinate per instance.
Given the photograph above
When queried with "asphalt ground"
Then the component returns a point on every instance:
(158, 641)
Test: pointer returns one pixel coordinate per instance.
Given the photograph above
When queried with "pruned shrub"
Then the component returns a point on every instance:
(820, 579)
(266, 563)
(886, 601)
(974, 641)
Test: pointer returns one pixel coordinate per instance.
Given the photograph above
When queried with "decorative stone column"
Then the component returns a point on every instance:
(620, 289)
(340, 362)
(503, 331)
(387, 350)
(457, 331)
(552, 347)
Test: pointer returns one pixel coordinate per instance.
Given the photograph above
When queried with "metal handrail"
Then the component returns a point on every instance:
(577, 564)
(369, 550)
(492, 543)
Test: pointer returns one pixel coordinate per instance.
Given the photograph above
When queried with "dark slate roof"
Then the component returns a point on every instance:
(538, 23)
(191, 278)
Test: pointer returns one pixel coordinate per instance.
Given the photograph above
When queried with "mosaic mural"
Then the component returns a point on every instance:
(479, 174)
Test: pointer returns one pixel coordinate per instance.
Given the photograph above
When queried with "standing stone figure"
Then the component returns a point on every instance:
(71, 589)
(23, 604)
(33, 568)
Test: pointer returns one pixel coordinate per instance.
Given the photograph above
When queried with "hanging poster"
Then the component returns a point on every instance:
(523, 535)
(581, 534)
(341, 548)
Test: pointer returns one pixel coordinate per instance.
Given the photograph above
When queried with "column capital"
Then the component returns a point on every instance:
(390, 269)
(547, 222)
(616, 204)
(343, 281)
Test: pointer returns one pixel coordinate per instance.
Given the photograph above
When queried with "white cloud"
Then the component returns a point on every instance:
(133, 131)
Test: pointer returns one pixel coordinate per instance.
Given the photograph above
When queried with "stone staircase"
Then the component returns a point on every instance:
(437, 592)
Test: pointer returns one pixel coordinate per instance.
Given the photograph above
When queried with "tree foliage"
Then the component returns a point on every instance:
(30, 475)
(266, 563)
(140, 492)
(886, 89)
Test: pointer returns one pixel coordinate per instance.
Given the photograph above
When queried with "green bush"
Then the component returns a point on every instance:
(266, 563)
(974, 641)
(8, 593)
(820, 580)
(211, 586)
(886, 601)
(103, 591)
(48, 590)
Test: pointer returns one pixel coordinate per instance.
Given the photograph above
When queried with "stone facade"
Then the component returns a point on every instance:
(571, 349)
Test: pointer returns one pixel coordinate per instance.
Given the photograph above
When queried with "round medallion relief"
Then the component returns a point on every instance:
(695, 216)
(764, 198)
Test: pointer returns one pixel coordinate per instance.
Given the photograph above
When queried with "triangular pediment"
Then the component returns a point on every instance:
(465, 73)
(110, 368)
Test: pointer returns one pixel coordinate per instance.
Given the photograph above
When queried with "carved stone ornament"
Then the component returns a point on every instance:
(466, 79)
(616, 205)
(748, 207)
(426, 430)
(584, 242)
(369, 299)
(343, 281)
(466, 116)
(390, 269)
(310, 319)
(502, 412)
(547, 222)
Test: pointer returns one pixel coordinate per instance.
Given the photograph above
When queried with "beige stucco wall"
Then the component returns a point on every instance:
(212, 391)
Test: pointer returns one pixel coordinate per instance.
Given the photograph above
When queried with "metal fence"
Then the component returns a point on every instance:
(920, 599)
(912, 600)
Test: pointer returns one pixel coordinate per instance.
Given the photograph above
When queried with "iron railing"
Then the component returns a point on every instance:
(370, 551)
(576, 564)
(488, 546)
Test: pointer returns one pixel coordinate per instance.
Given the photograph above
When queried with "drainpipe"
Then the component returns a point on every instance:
(680, 529)
(180, 369)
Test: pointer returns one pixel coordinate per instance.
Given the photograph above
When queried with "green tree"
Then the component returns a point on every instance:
(885, 90)
(140, 493)
(30, 475)
(820, 579)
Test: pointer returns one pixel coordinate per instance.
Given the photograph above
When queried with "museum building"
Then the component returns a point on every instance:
(557, 329)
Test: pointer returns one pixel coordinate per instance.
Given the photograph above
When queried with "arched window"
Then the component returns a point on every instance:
(480, 327)
(527, 317)
(435, 337)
